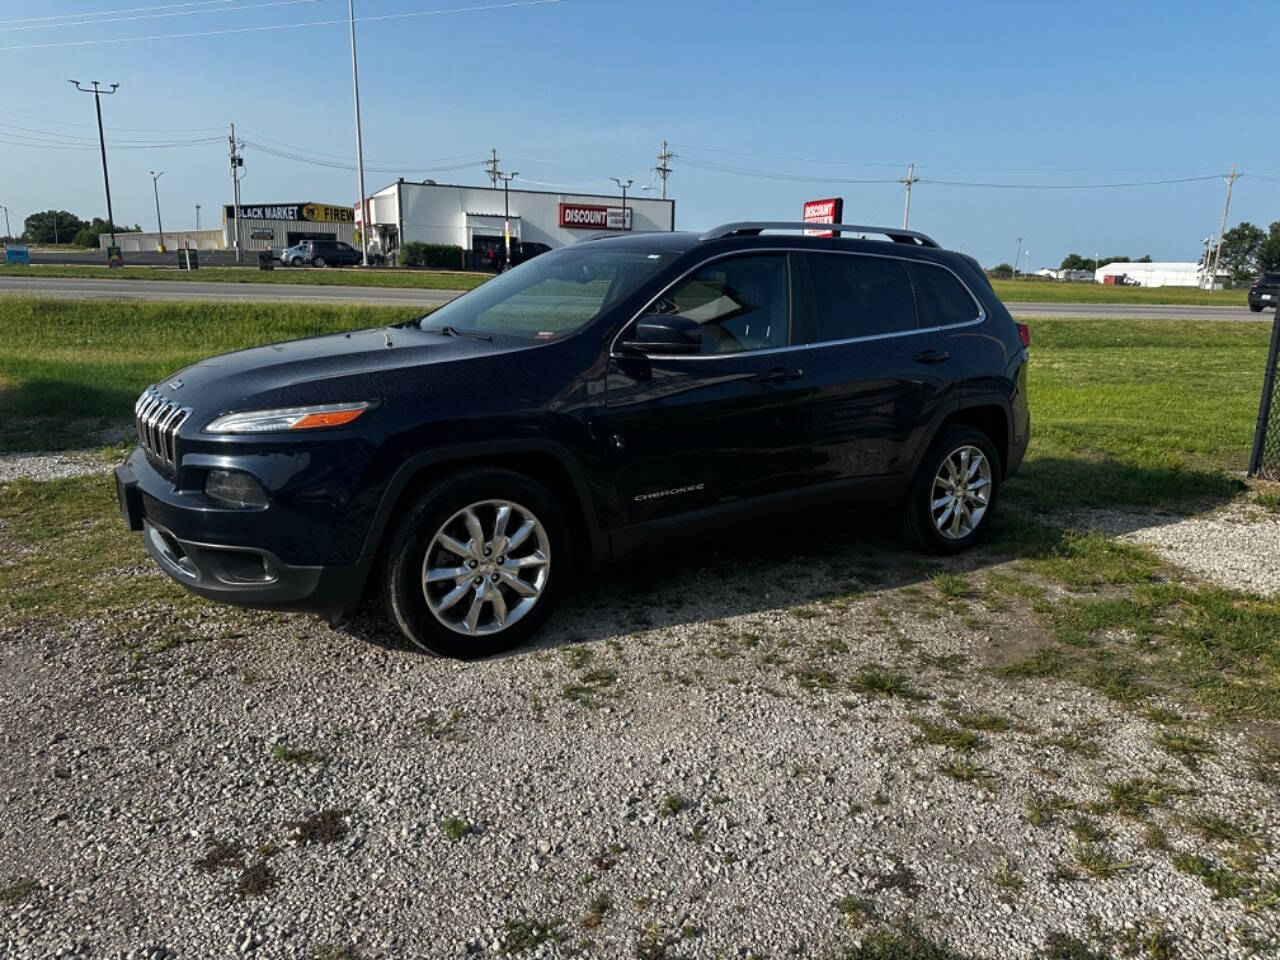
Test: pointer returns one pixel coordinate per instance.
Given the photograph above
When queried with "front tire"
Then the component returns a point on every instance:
(953, 495)
(476, 564)
(1255, 307)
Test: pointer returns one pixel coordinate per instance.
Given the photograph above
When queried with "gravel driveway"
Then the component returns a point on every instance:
(751, 753)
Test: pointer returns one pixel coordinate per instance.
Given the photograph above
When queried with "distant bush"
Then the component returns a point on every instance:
(438, 255)
(85, 238)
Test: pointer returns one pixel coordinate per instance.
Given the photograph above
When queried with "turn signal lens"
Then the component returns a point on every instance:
(288, 418)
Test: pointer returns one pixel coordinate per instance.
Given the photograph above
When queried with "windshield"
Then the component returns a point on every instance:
(552, 295)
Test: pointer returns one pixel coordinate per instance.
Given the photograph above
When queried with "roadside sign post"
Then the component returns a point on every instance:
(1265, 459)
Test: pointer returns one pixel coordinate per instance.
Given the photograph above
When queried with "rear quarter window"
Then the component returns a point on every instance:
(946, 297)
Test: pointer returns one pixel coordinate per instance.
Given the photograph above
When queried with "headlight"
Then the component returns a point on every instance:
(288, 418)
(233, 488)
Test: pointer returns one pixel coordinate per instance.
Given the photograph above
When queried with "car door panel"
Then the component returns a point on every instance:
(878, 376)
(688, 433)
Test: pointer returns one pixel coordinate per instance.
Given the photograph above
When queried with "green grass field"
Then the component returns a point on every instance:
(1047, 291)
(1038, 291)
(410, 279)
(1135, 412)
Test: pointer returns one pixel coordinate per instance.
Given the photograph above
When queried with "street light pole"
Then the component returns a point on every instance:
(1016, 257)
(506, 179)
(102, 143)
(355, 84)
(197, 216)
(7, 232)
(624, 185)
(155, 187)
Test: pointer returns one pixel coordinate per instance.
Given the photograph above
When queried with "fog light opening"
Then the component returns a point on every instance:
(233, 488)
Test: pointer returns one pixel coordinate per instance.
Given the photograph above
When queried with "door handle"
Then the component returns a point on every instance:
(779, 375)
(932, 356)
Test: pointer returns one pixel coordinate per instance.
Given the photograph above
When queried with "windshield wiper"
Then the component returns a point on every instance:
(451, 331)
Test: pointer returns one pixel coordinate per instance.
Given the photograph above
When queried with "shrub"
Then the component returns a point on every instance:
(439, 255)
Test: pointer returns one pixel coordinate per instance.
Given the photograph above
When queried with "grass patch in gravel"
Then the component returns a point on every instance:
(455, 828)
(1094, 860)
(942, 735)
(256, 879)
(522, 934)
(878, 680)
(297, 755)
(16, 891)
(221, 855)
(324, 826)
(900, 945)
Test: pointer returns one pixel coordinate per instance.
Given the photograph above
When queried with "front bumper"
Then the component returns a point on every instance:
(1267, 299)
(237, 574)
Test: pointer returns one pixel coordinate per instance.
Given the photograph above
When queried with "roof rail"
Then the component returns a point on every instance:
(752, 228)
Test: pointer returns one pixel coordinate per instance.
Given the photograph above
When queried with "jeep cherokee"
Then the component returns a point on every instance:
(601, 400)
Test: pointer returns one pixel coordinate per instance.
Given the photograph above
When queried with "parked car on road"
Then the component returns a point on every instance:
(605, 399)
(321, 253)
(1264, 292)
(296, 255)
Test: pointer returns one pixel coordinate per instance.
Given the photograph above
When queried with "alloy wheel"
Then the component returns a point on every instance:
(961, 492)
(486, 567)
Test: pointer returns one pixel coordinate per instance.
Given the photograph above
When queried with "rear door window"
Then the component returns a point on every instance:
(947, 299)
(859, 296)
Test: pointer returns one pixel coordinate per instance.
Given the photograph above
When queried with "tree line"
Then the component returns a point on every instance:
(60, 226)
(1248, 250)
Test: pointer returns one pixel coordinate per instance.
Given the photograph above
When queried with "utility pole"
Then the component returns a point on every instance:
(355, 84)
(1016, 257)
(1231, 179)
(102, 143)
(624, 184)
(492, 167)
(155, 177)
(908, 180)
(506, 179)
(7, 232)
(237, 162)
(663, 169)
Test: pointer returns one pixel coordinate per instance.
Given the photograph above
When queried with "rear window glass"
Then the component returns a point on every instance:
(856, 296)
(948, 300)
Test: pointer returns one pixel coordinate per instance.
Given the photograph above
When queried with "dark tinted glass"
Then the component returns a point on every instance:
(948, 300)
(857, 296)
(740, 304)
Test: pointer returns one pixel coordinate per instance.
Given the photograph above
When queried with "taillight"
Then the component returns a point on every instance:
(1024, 334)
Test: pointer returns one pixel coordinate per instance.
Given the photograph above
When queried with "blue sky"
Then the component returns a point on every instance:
(578, 91)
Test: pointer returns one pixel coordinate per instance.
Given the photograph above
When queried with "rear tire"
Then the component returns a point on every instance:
(476, 564)
(318, 262)
(953, 494)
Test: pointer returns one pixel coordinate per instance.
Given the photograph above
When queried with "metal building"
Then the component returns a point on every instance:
(473, 218)
(267, 225)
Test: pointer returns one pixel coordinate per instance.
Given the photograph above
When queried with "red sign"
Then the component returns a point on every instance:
(581, 216)
(823, 211)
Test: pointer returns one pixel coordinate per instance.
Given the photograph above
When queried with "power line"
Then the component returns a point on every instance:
(282, 26)
(347, 165)
(69, 123)
(161, 6)
(1068, 186)
(97, 19)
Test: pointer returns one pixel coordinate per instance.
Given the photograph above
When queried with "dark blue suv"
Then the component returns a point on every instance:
(601, 400)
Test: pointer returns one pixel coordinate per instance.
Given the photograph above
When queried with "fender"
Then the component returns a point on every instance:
(437, 456)
(967, 402)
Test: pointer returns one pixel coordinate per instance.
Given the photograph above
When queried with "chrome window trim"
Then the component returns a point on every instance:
(937, 328)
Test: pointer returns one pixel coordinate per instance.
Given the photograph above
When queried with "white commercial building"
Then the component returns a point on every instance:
(473, 218)
(1172, 274)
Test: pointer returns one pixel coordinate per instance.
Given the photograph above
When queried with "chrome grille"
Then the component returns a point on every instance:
(158, 420)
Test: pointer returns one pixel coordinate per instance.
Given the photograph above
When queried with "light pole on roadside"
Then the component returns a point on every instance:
(7, 232)
(102, 143)
(1016, 257)
(624, 184)
(506, 179)
(355, 85)
(155, 177)
(197, 216)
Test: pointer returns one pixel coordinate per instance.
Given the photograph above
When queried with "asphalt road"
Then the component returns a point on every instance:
(80, 288)
(74, 287)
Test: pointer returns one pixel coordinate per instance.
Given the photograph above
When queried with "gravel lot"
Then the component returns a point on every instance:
(699, 758)
(1236, 546)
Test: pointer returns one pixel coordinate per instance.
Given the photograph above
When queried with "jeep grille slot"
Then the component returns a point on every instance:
(158, 420)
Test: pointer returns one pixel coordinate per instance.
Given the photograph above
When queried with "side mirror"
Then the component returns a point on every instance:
(659, 334)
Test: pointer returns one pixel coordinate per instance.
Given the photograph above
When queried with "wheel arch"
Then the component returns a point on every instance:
(991, 418)
(545, 463)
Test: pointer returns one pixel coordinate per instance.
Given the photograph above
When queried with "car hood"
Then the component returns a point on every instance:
(316, 370)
